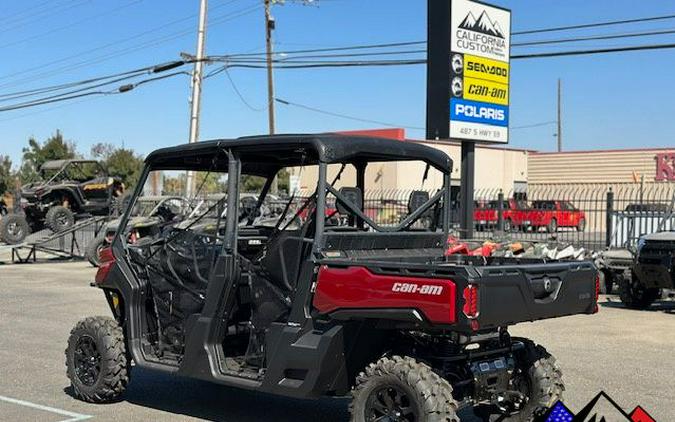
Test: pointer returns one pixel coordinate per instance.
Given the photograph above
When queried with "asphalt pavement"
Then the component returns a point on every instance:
(628, 354)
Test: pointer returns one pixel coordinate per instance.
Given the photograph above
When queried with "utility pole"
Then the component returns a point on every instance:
(269, 27)
(195, 101)
(559, 136)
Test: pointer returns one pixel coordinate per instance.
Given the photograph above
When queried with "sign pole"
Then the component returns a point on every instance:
(466, 189)
(468, 74)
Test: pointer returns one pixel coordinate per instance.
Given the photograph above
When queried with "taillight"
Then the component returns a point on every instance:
(597, 293)
(471, 302)
(105, 255)
(106, 261)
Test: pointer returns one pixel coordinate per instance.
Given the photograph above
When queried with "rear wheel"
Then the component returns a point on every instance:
(552, 226)
(59, 218)
(403, 390)
(96, 360)
(635, 295)
(14, 228)
(539, 378)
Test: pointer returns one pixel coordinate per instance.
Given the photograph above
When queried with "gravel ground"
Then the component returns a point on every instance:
(626, 353)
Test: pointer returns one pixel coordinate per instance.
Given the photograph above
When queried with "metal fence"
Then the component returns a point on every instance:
(593, 216)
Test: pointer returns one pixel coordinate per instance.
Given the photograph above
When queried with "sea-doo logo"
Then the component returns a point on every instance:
(424, 289)
(501, 71)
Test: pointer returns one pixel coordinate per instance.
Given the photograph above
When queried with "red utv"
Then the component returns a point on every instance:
(309, 308)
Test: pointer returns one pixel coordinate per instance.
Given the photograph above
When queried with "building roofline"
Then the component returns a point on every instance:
(603, 151)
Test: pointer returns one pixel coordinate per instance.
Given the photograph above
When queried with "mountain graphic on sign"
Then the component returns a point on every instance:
(483, 25)
(602, 409)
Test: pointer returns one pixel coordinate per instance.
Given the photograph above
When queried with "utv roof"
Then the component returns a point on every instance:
(266, 154)
(57, 164)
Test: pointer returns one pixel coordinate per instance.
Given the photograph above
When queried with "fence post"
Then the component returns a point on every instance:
(608, 218)
(500, 211)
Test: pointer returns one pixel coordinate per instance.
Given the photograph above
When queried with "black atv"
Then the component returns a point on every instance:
(67, 189)
(308, 305)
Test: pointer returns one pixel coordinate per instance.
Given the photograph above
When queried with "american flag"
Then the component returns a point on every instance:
(559, 413)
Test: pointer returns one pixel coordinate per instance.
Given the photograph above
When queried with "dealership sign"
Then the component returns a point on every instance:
(665, 167)
(480, 37)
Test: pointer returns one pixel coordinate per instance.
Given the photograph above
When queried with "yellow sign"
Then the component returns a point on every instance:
(486, 91)
(482, 68)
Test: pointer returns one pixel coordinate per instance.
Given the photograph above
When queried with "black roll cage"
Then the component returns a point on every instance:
(234, 166)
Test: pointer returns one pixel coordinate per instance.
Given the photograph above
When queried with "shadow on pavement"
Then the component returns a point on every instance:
(213, 402)
(665, 306)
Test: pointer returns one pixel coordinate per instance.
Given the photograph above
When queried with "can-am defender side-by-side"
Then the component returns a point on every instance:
(66, 190)
(321, 306)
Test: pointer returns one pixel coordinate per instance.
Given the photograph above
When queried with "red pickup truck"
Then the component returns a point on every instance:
(516, 217)
(548, 214)
(555, 214)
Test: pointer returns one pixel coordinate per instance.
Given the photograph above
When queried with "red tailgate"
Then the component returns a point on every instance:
(359, 288)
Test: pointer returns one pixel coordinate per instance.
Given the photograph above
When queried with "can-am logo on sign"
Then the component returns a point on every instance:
(480, 29)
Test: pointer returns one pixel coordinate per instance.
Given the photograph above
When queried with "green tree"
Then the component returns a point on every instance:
(6, 176)
(120, 162)
(36, 154)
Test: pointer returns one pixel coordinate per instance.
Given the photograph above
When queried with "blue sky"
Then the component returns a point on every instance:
(609, 101)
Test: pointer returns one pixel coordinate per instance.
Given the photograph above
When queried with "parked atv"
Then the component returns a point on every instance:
(653, 271)
(319, 306)
(67, 190)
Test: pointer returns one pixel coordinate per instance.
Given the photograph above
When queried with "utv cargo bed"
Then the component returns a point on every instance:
(476, 293)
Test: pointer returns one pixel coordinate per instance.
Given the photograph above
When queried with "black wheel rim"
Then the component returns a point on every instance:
(62, 219)
(87, 361)
(390, 404)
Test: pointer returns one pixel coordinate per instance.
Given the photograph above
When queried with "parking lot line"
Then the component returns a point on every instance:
(73, 417)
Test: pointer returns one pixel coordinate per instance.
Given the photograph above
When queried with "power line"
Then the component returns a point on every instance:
(595, 38)
(147, 69)
(594, 51)
(533, 125)
(70, 25)
(594, 25)
(47, 13)
(343, 116)
(239, 94)
(120, 52)
(120, 90)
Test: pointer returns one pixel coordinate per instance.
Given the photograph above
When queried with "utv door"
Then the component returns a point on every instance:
(206, 330)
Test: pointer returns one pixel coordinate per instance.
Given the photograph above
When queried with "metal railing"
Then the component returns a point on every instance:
(593, 216)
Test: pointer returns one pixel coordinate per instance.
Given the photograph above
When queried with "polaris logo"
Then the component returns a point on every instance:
(481, 112)
(424, 289)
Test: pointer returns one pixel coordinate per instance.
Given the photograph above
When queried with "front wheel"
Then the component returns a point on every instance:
(402, 389)
(635, 295)
(96, 360)
(14, 228)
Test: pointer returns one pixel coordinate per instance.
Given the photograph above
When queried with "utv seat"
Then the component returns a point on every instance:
(353, 195)
(282, 259)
